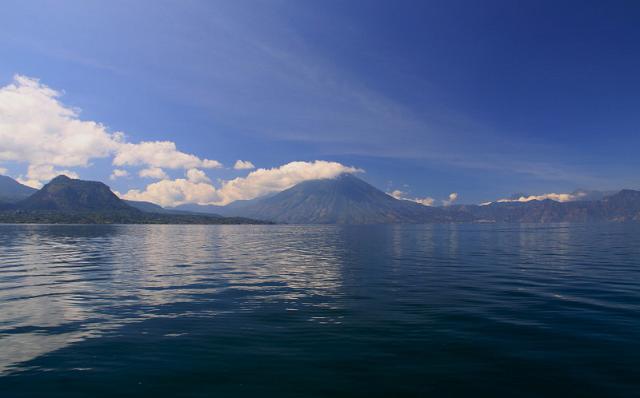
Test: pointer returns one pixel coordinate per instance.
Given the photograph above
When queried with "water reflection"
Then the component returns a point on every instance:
(419, 302)
(61, 284)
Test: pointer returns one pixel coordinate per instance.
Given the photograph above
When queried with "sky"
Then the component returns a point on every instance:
(214, 101)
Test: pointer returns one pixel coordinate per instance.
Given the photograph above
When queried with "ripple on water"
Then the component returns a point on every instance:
(320, 310)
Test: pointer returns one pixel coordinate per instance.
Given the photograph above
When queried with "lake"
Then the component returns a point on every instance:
(320, 311)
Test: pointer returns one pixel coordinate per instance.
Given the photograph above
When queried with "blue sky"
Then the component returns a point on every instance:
(428, 97)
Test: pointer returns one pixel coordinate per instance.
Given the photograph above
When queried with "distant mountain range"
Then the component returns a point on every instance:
(66, 200)
(12, 191)
(342, 200)
(349, 200)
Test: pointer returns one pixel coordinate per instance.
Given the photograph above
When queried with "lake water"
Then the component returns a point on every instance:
(320, 311)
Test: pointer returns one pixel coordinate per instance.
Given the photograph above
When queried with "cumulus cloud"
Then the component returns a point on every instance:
(171, 193)
(263, 181)
(197, 176)
(118, 173)
(38, 173)
(400, 195)
(36, 128)
(30, 183)
(243, 165)
(256, 184)
(50, 138)
(453, 197)
(159, 154)
(48, 172)
(153, 172)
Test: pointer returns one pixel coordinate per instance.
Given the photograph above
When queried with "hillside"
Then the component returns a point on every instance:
(349, 200)
(342, 200)
(66, 200)
(71, 195)
(11, 191)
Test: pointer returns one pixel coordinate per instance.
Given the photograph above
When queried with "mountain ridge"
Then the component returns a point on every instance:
(73, 195)
(345, 199)
(329, 202)
(11, 191)
(67, 200)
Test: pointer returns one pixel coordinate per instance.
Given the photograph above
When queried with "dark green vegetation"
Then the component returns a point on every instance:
(68, 201)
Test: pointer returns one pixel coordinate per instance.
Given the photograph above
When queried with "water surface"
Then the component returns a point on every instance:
(320, 311)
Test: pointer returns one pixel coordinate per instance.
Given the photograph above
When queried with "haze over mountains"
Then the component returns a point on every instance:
(342, 200)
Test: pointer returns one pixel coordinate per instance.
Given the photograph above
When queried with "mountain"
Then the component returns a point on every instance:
(149, 207)
(342, 200)
(230, 209)
(584, 195)
(622, 206)
(11, 191)
(534, 211)
(202, 209)
(579, 195)
(349, 200)
(71, 195)
(66, 200)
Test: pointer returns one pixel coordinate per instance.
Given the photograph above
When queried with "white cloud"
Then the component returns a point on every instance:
(425, 201)
(175, 192)
(159, 154)
(153, 172)
(558, 197)
(256, 184)
(400, 195)
(38, 173)
(48, 172)
(197, 176)
(30, 183)
(397, 194)
(243, 165)
(36, 128)
(453, 197)
(118, 173)
(3, 171)
(263, 181)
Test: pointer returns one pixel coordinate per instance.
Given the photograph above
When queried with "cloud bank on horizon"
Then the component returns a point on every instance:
(39, 131)
(197, 189)
(410, 99)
